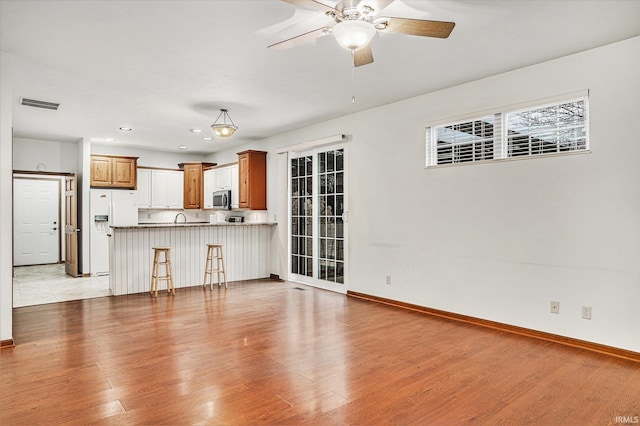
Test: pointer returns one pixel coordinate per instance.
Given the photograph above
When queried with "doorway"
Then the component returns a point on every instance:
(318, 226)
(39, 250)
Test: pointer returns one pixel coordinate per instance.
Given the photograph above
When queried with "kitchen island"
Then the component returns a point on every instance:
(247, 252)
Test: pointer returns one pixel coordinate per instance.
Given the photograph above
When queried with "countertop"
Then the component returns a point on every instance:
(192, 224)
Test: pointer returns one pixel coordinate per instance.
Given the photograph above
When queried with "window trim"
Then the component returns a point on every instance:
(500, 142)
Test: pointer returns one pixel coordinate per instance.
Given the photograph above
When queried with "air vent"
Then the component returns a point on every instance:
(39, 104)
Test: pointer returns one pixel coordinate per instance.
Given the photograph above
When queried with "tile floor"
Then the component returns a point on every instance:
(40, 284)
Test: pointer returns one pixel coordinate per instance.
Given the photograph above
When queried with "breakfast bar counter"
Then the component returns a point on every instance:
(246, 248)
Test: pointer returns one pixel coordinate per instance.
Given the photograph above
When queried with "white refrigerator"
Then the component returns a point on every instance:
(109, 207)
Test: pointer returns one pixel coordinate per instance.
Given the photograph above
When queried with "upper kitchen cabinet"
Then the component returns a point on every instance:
(110, 171)
(235, 182)
(194, 184)
(252, 185)
(208, 188)
(167, 189)
(144, 188)
(219, 179)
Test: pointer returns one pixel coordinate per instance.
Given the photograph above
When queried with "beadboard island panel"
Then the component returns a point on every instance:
(246, 253)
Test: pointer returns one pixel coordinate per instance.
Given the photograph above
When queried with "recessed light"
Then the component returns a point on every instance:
(125, 128)
(183, 147)
(207, 138)
(196, 130)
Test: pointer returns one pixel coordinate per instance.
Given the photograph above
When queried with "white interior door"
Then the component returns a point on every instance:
(318, 208)
(36, 221)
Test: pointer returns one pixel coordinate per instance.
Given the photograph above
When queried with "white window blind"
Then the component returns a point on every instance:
(547, 129)
(554, 128)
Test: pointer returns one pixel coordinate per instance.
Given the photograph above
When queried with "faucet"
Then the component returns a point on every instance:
(176, 219)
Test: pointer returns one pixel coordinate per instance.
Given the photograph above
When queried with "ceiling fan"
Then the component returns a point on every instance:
(357, 21)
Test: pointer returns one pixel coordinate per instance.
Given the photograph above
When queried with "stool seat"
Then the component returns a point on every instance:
(214, 255)
(168, 276)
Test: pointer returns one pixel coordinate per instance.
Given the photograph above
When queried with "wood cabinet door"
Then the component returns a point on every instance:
(243, 181)
(100, 171)
(193, 186)
(123, 173)
(252, 171)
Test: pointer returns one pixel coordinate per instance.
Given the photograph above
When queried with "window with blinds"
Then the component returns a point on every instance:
(554, 128)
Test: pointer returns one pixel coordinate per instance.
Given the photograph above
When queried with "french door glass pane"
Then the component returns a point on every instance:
(331, 207)
(302, 216)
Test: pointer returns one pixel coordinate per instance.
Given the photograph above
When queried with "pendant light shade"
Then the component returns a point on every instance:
(353, 34)
(221, 128)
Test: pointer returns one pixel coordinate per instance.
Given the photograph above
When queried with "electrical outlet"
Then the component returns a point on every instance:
(388, 279)
(555, 307)
(148, 215)
(586, 312)
(197, 215)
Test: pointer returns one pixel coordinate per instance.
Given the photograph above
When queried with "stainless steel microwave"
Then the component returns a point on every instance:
(222, 200)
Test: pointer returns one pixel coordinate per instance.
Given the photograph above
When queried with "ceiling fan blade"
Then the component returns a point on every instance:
(419, 27)
(362, 56)
(301, 39)
(316, 5)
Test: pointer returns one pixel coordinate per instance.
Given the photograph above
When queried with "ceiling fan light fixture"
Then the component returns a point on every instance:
(353, 34)
(223, 129)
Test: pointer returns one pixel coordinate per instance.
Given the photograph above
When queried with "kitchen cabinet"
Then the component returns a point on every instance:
(144, 188)
(208, 188)
(220, 179)
(110, 171)
(235, 179)
(194, 184)
(252, 175)
(167, 189)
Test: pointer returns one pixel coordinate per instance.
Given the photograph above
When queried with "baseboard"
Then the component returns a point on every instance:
(5, 344)
(569, 341)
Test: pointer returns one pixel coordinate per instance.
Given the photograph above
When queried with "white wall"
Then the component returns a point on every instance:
(56, 156)
(6, 200)
(83, 215)
(497, 241)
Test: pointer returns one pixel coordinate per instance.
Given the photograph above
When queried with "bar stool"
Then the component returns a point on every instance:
(168, 277)
(214, 254)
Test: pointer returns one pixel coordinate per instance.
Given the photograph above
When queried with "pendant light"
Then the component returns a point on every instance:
(223, 129)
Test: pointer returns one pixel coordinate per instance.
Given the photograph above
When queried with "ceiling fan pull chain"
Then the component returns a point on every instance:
(353, 80)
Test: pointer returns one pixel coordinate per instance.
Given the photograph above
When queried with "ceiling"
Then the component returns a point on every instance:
(166, 67)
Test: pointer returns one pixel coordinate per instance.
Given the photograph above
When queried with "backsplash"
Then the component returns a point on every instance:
(167, 216)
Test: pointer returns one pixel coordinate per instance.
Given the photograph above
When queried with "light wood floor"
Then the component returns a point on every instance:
(271, 353)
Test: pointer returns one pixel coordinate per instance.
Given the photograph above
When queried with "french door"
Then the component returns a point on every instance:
(318, 208)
